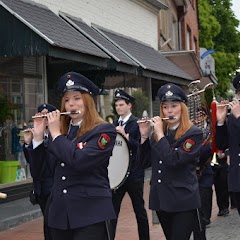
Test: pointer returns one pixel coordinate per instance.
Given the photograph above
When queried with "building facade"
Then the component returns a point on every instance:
(114, 43)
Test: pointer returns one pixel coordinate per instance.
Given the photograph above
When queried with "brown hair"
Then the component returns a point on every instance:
(91, 117)
(185, 122)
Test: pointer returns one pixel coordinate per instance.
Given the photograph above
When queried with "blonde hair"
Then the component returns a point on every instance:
(91, 117)
(185, 122)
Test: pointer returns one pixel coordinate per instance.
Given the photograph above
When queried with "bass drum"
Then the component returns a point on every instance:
(119, 163)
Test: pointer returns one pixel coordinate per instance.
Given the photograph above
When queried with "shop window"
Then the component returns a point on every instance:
(21, 91)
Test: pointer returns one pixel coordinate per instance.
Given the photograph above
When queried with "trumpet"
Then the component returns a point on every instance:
(151, 120)
(62, 113)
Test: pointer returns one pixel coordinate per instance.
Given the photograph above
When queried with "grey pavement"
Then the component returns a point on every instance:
(17, 212)
(224, 228)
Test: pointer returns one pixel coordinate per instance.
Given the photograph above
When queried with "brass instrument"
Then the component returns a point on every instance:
(214, 160)
(194, 103)
(62, 113)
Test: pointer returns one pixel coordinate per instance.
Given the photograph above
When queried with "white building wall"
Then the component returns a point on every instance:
(129, 17)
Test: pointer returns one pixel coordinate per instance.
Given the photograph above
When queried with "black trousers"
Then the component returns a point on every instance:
(177, 225)
(96, 231)
(206, 195)
(134, 187)
(221, 187)
(236, 196)
(204, 214)
(42, 201)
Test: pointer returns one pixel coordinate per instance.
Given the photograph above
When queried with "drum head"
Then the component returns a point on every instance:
(118, 163)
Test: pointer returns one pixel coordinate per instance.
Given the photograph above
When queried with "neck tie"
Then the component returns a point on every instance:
(45, 140)
(120, 123)
(72, 133)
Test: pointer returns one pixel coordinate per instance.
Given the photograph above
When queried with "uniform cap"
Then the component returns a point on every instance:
(120, 94)
(73, 81)
(46, 106)
(171, 92)
(236, 82)
(202, 110)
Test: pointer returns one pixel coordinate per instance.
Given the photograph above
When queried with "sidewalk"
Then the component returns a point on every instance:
(221, 228)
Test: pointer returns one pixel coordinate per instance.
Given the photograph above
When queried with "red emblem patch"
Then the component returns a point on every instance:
(103, 140)
(188, 144)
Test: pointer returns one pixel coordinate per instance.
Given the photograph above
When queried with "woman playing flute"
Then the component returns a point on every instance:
(172, 151)
(80, 204)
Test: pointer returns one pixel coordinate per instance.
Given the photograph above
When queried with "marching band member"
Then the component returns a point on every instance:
(43, 179)
(227, 136)
(80, 204)
(205, 178)
(172, 151)
(134, 184)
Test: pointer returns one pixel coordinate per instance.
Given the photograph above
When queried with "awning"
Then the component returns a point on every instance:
(35, 30)
(187, 61)
(50, 27)
(153, 63)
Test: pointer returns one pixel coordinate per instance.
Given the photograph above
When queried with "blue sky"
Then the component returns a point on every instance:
(236, 10)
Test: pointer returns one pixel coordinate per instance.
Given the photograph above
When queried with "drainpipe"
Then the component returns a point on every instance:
(179, 25)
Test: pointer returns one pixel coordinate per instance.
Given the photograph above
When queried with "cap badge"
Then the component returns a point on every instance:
(118, 95)
(69, 83)
(69, 76)
(168, 86)
(168, 94)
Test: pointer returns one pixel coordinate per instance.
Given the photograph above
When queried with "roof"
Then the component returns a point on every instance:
(144, 55)
(51, 27)
(98, 39)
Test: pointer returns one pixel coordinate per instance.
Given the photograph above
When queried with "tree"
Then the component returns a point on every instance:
(218, 26)
(209, 26)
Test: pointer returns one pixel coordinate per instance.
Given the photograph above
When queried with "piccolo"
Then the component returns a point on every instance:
(62, 113)
(151, 120)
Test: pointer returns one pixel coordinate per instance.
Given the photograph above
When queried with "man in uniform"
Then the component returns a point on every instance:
(127, 126)
(41, 174)
(228, 136)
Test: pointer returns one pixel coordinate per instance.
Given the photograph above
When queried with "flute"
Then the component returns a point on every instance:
(62, 113)
(150, 120)
(3, 195)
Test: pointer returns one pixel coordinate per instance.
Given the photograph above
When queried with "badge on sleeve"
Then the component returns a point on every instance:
(103, 140)
(188, 144)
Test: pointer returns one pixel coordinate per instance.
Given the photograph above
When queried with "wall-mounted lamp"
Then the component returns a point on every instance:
(102, 90)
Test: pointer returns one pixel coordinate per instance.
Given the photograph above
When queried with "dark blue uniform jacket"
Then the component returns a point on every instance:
(40, 172)
(81, 194)
(174, 184)
(136, 170)
(228, 136)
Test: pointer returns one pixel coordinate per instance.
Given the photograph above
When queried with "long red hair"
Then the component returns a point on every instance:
(185, 122)
(90, 120)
